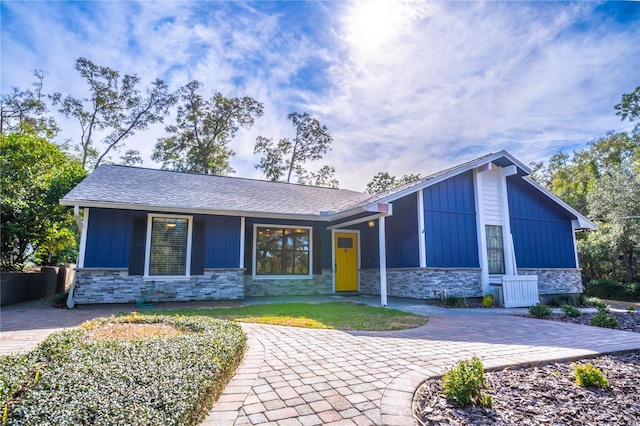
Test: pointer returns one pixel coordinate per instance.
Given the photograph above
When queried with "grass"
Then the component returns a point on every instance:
(328, 315)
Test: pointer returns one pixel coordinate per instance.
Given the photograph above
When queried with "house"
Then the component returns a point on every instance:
(466, 231)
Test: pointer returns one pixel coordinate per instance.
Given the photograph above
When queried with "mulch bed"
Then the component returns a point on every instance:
(547, 395)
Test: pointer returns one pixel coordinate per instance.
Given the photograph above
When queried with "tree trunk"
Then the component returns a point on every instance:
(628, 258)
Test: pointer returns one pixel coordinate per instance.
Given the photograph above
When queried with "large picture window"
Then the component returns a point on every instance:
(495, 249)
(282, 250)
(168, 251)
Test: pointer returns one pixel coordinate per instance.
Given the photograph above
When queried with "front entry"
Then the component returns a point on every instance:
(345, 246)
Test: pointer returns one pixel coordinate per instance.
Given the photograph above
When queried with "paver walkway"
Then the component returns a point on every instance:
(295, 376)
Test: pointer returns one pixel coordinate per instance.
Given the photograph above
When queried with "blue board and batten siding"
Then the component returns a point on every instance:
(110, 231)
(402, 233)
(541, 230)
(450, 223)
(108, 238)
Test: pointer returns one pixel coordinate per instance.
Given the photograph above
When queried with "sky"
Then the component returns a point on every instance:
(402, 86)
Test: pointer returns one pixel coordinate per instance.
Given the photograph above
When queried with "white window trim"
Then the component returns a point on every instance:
(147, 252)
(280, 277)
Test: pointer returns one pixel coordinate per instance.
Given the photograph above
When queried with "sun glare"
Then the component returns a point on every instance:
(371, 24)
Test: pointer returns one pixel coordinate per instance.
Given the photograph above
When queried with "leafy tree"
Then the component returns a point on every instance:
(323, 177)
(115, 110)
(199, 140)
(35, 175)
(629, 107)
(383, 181)
(615, 202)
(311, 142)
(24, 110)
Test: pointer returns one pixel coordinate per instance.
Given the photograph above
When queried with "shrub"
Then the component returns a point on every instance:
(464, 384)
(454, 302)
(589, 376)
(540, 311)
(559, 301)
(487, 301)
(570, 311)
(610, 289)
(631, 308)
(604, 319)
(594, 301)
(160, 380)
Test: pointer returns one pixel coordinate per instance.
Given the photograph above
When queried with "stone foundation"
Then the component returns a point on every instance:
(317, 284)
(556, 281)
(117, 286)
(423, 283)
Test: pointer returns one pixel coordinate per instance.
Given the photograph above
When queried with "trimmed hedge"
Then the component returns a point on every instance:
(70, 380)
(614, 290)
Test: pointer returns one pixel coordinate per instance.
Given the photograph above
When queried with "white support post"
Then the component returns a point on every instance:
(383, 261)
(83, 238)
(422, 250)
(241, 266)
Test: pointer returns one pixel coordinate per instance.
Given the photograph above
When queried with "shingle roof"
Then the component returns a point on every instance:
(135, 186)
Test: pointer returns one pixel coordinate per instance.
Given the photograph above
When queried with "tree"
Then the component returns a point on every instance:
(24, 110)
(323, 177)
(35, 175)
(629, 107)
(615, 202)
(199, 141)
(383, 181)
(311, 142)
(115, 110)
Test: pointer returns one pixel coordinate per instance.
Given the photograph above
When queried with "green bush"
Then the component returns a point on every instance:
(162, 380)
(615, 290)
(604, 319)
(595, 302)
(570, 311)
(454, 302)
(589, 376)
(631, 308)
(559, 301)
(487, 301)
(464, 384)
(540, 311)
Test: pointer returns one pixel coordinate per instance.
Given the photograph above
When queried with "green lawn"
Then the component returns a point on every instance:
(336, 315)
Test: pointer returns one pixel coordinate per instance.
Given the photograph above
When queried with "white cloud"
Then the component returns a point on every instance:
(404, 87)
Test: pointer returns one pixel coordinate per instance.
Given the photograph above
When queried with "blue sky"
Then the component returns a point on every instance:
(403, 86)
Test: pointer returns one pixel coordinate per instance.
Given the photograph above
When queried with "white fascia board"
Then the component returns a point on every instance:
(186, 210)
(583, 222)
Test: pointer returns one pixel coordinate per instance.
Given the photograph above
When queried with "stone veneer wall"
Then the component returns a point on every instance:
(423, 283)
(117, 286)
(556, 281)
(317, 284)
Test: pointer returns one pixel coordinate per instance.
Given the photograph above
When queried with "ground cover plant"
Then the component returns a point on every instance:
(328, 315)
(131, 370)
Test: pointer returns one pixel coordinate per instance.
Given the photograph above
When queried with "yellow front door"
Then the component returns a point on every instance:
(346, 267)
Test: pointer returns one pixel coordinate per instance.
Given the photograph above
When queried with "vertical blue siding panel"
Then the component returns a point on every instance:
(108, 238)
(450, 223)
(222, 241)
(402, 233)
(542, 232)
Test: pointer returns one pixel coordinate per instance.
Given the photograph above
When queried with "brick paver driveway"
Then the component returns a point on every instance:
(294, 376)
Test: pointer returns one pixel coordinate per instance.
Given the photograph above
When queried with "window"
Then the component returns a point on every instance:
(282, 250)
(495, 249)
(169, 246)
